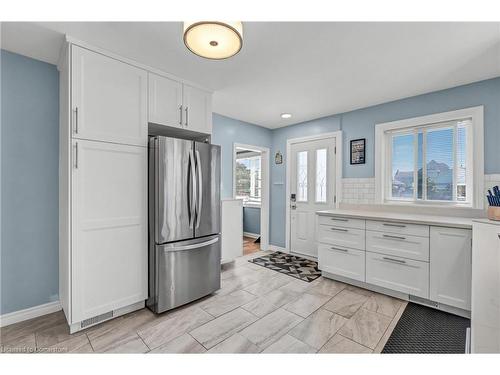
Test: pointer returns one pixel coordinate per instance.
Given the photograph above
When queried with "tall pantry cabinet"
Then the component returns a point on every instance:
(103, 187)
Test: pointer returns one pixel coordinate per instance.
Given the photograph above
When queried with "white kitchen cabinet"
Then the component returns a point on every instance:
(175, 104)
(109, 227)
(165, 101)
(342, 261)
(197, 106)
(231, 230)
(485, 319)
(108, 99)
(339, 236)
(450, 266)
(401, 245)
(403, 275)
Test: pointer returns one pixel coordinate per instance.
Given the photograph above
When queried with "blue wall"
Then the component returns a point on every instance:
(29, 182)
(361, 124)
(226, 132)
(251, 220)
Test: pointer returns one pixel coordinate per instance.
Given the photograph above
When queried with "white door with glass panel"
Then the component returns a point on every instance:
(312, 188)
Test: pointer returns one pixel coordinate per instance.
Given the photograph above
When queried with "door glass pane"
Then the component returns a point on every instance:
(402, 166)
(439, 162)
(321, 175)
(302, 176)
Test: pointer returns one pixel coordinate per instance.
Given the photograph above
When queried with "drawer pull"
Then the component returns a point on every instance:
(394, 260)
(339, 229)
(336, 248)
(394, 237)
(395, 225)
(336, 219)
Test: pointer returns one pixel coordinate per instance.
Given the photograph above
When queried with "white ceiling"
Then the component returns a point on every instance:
(310, 69)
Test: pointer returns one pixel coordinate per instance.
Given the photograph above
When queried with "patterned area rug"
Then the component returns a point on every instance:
(291, 265)
(424, 330)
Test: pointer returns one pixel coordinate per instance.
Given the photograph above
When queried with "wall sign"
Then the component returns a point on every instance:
(358, 151)
(278, 158)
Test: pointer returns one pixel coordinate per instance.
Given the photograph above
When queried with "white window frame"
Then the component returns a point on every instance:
(474, 149)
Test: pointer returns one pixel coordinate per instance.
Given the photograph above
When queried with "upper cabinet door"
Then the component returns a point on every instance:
(108, 99)
(165, 101)
(197, 109)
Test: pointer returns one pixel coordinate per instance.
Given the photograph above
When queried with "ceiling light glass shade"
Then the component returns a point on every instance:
(213, 39)
(286, 115)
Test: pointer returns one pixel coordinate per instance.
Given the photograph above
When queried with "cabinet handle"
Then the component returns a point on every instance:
(336, 248)
(180, 115)
(394, 225)
(340, 230)
(394, 237)
(76, 155)
(394, 260)
(76, 120)
(186, 110)
(335, 219)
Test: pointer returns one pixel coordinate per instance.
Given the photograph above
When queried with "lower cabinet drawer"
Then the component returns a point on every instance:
(403, 275)
(343, 262)
(343, 237)
(401, 245)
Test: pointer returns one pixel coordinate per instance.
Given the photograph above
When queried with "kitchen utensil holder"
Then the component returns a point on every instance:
(494, 213)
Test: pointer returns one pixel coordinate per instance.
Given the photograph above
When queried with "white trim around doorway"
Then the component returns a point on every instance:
(338, 174)
(264, 206)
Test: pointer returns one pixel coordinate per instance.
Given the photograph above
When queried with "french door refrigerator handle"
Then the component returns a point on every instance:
(200, 189)
(193, 246)
(192, 205)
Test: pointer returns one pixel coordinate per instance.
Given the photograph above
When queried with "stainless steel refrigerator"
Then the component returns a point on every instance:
(184, 221)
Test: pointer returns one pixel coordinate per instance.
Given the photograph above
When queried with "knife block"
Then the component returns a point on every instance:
(494, 213)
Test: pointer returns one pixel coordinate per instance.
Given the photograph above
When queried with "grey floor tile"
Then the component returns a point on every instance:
(76, 344)
(383, 304)
(22, 329)
(19, 344)
(295, 287)
(219, 329)
(53, 335)
(184, 344)
(235, 344)
(128, 345)
(168, 329)
(318, 328)
(366, 328)
(225, 303)
(342, 345)
(265, 286)
(269, 302)
(289, 344)
(346, 303)
(306, 304)
(326, 287)
(270, 328)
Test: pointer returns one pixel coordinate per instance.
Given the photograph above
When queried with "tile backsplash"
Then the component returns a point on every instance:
(362, 190)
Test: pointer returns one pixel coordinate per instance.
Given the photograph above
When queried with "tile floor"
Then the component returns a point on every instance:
(256, 311)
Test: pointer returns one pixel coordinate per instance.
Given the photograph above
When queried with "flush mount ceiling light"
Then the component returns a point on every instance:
(214, 40)
(286, 115)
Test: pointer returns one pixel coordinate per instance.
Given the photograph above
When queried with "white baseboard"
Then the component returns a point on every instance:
(277, 248)
(29, 313)
(251, 235)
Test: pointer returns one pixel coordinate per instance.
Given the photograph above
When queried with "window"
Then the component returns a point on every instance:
(321, 175)
(302, 176)
(248, 179)
(431, 160)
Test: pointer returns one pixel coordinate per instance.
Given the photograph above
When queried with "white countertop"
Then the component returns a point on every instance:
(487, 221)
(443, 221)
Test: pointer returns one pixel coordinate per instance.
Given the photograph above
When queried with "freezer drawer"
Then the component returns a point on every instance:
(186, 271)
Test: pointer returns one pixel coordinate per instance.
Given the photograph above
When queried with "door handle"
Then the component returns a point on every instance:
(394, 237)
(193, 246)
(76, 120)
(180, 115)
(192, 193)
(339, 230)
(199, 198)
(394, 260)
(76, 155)
(186, 110)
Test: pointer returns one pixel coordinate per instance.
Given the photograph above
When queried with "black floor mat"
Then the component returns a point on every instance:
(424, 330)
(291, 265)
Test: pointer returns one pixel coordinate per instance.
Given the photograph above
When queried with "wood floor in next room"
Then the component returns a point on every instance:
(256, 310)
(249, 245)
